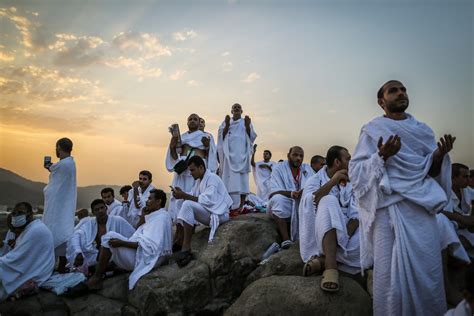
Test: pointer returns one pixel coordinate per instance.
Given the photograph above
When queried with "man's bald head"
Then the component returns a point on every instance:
(193, 122)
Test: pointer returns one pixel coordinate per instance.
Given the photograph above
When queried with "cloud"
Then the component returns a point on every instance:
(177, 75)
(6, 56)
(251, 77)
(184, 35)
(275, 90)
(224, 54)
(144, 45)
(78, 51)
(227, 66)
(193, 83)
(33, 84)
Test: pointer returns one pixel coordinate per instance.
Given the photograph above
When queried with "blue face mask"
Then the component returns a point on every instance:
(18, 221)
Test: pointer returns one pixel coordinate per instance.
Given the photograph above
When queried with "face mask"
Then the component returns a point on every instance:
(18, 221)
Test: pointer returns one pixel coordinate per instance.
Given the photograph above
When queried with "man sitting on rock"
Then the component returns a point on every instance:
(147, 248)
(329, 221)
(286, 185)
(207, 204)
(31, 261)
(83, 247)
(114, 206)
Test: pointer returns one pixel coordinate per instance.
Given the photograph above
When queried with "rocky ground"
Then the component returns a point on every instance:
(225, 279)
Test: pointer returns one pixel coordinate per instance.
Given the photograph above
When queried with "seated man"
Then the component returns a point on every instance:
(137, 197)
(84, 245)
(124, 192)
(317, 162)
(329, 222)
(208, 204)
(31, 261)
(114, 207)
(286, 185)
(147, 248)
(81, 214)
(9, 242)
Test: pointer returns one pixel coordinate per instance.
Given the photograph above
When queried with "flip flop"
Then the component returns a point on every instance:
(184, 257)
(286, 244)
(330, 276)
(314, 265)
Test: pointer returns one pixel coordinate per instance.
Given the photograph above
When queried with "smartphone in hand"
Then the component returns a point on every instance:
(47, 162)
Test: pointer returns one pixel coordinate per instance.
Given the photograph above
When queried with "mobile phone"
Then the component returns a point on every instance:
(47, 161)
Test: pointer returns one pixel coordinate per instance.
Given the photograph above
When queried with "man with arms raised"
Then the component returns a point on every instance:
(394, 173)
(207, 204)
(193, 143)
(84, 245)
(32, 257)
(114, 207)
(262, 172)
(328, 219)
(235, 140)
(60, 197)
(138, 195)
(286, 185)
(147, 248)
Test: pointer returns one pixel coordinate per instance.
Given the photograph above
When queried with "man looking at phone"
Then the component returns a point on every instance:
(60, 197)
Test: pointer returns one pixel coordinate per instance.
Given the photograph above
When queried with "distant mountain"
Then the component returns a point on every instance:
(15, 188)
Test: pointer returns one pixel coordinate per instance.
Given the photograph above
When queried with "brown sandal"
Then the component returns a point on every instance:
(330, 276)
(314, 265)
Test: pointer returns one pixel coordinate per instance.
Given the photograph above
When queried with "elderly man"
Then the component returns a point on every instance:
(207, 204)
(286, 185)
(236, 136)
(328, 222)
(146, 249)
(84, 245)
(400, 178)
(31, 261)
(262, 172)
(60, 197)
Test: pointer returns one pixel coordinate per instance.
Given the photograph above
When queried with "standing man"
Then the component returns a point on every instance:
(235, 140)
(395, 172)
(262, 172)
(60, 198)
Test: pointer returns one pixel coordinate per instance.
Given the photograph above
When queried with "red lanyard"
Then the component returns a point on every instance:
(297, 179)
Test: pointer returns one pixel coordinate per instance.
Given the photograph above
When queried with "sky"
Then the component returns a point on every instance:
(113, 75)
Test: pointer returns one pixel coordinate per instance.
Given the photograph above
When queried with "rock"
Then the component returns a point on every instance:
(93, 304)
(294, 295)
(284, 262)
(116, 288)
(25, 306)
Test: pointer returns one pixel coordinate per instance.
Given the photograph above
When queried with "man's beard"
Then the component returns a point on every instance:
(394, 107)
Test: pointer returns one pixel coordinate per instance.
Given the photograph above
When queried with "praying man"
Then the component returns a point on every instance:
(236, 136)
(262, 172)
(400, 178)
(31, 259)
(60, 197)
(147, 248)
(328, 222)
(194, 142)
(286, 185)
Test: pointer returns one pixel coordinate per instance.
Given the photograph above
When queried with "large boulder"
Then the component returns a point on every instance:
(294, 295)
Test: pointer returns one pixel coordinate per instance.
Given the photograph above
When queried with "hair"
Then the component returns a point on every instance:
(65, 144)
(197, 161)
(125, 188)
(316, 159)
(105, 190)
(294, 147)
(268, 151)
(96, 202)
(146, 173)
(471, 173)
(159, 195)
(382, 88)
(456, 169)
(26, 205)
(333, 153)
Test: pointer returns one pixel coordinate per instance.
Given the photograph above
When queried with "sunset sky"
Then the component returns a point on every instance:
(113, 75)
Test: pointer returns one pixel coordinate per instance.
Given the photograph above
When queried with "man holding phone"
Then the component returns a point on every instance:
(60, 198)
